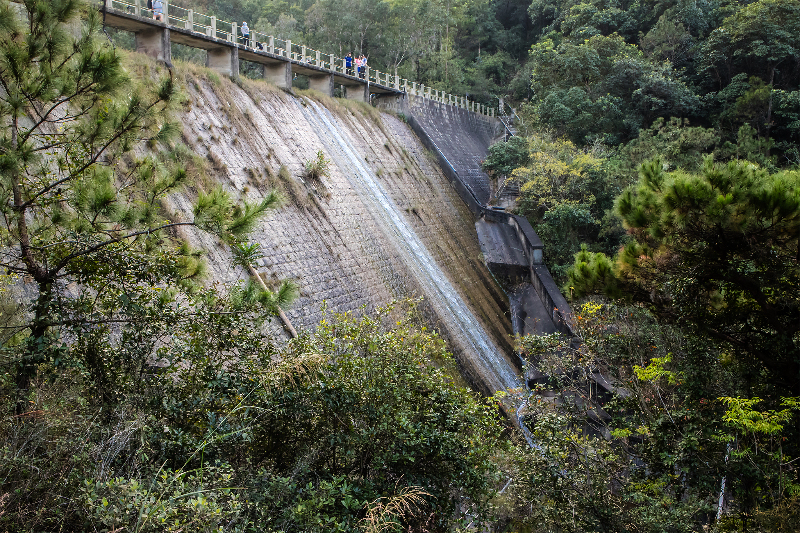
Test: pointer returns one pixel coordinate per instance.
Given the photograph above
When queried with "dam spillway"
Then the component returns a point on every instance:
(384, 224)
(493, 366)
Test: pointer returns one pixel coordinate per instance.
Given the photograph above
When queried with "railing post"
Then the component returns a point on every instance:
(289, 49)
(318, 55)
(303, 54)
(190, 21)
(137, 10)
(271, 45)
(213, 27)
(333, 63)
(233, 32)
(166, 12)
(414, 88)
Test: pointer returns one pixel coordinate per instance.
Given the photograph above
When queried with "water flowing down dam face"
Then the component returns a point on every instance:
(441, 293)
(384, 223)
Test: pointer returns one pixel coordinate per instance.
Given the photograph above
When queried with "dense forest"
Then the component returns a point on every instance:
(657, 157)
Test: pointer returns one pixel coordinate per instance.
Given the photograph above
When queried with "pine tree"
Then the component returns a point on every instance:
(76, 200)
(717, 252)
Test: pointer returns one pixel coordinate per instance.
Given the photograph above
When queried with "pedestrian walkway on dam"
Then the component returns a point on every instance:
(280, 59)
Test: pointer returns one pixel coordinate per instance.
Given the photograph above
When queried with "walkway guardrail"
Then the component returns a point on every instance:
(210, 26)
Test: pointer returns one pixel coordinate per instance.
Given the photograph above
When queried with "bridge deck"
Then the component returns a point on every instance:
(129, 21)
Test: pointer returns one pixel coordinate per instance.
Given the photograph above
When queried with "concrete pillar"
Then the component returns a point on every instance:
(318, 60)
(279, 74)
(303, 54)
(414, 88)
(233, 33)
(396, 81)
(289, 49)
(224, 60)
(213, 28)
(271, 45)
(190, 20)
(357, 92)
(322, 83)
(332, 64)
(166, 11)
(137, 8)
(155, 43)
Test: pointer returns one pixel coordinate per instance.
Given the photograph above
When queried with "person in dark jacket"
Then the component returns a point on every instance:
(348, 63)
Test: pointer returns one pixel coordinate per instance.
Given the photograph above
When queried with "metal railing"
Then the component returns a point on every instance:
(210, 26)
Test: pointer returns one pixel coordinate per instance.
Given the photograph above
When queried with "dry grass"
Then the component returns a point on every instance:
(295, 371)
(345, 108)
(293, 189)
(383, 513)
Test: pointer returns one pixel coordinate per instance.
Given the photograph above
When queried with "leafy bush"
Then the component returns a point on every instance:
(505, 156)
(232, 432)
(318, 167)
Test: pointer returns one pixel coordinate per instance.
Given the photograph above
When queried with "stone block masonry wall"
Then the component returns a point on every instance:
(330, 237)
(462, 136)
(460, 141)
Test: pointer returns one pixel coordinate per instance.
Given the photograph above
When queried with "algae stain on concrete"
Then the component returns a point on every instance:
(388, 226)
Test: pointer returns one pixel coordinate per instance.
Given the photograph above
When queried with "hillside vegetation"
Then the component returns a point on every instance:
(657, 157)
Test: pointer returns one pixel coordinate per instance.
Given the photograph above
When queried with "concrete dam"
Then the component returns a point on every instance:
(386, 222)
(403, 210)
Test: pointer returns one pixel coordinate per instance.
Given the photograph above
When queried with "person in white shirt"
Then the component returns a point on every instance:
(245, 37)
(158, 10)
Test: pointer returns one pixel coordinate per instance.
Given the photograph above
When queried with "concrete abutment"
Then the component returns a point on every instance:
(359, 92)
(154, 42)
(279, 74)
(322, 83)
(224, 60)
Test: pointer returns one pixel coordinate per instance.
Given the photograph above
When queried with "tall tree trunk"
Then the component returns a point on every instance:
(769, 107)
(37, 346)
(33, 351)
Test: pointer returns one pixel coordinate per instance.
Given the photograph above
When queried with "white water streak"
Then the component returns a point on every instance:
(482, 350)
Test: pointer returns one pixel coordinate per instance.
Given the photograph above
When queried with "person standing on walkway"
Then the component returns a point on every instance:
(363, 65)
(348, 64)
(245, 37)
(158, 10)
(358, 66)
